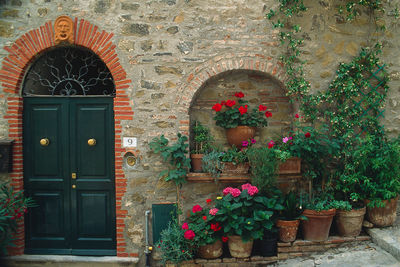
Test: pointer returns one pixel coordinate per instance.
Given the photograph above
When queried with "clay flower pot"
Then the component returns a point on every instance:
(239, 134)
(317, 227)
(290, 166)
(384, 216)
(238, 248)
(288, 230)
(210, 251)
(196, 160)
(349, 223)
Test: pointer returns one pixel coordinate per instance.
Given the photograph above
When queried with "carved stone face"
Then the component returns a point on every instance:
(63, 28)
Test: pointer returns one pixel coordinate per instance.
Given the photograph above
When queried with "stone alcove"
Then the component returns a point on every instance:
(258, 88)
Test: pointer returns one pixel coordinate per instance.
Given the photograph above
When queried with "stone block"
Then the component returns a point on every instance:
(135, 29)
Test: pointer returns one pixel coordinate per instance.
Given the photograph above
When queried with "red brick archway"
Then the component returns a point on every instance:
(20, 54)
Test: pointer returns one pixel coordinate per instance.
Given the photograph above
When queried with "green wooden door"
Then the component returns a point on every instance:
(71, 181)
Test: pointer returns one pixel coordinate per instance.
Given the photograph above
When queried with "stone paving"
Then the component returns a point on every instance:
(363, 254)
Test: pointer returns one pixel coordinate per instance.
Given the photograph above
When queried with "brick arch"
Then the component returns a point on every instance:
(195, 80)
(20, 54)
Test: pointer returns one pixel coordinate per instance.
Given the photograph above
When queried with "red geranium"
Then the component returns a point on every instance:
(197, 208)
(239, 94)
(204, 217)
(208, 201)
(297, 116)
(230, 103)
(262, 108)
(242, 109)
(268, 114)
(223, 103)
(215, 227)
(307, 135)
(189, 234)
(224, 239)
(217, 107)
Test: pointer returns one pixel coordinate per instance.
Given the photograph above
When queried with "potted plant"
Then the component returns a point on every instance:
(289, 218)
(239, 120)
(201, 144)
(235, 160)
(245, 215)
(207, 229)
(378, 173)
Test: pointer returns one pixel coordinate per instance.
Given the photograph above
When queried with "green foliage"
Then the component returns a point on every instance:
(320, 200)
(174, 247)
(375, 169)
(230, 116)
(201, 138)
(245, 213)
(234, 155)
(212, 163)
(13, 205)
(352, 9)
(292, 209)
(174, 155)
(264, 164)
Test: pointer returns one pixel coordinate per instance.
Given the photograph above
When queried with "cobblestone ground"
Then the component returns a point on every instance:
(364, 254)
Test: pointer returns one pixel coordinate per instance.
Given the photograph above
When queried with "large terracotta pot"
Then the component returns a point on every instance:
(241, 168)
(196, 160)
(349, 223)
(288, 230)
(290, 166)
(385, 216)
(317, 227)
(238, 248)
(239, 134)
(210, 251)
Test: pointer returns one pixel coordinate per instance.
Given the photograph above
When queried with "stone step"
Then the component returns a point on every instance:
(68, 261)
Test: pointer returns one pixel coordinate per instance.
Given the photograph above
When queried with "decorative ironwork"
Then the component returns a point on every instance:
(68, 71)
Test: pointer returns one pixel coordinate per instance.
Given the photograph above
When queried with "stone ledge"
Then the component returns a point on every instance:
(70, 259)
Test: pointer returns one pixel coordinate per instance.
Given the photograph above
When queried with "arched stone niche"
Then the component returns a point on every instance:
(258, 88)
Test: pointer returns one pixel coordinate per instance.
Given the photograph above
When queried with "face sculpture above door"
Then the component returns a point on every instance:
(63, 30)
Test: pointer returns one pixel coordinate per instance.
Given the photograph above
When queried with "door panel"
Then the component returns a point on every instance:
(79, 220)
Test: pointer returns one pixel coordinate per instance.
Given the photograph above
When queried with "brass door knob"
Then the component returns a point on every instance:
(44, 142)
(91, 142)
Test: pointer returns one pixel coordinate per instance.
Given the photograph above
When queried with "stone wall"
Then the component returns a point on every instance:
(180, 56)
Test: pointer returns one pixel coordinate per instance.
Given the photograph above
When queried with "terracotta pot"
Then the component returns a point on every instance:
(385, 216)
(241, 168)
(290, 166)
(210, 251)
(349, 223)
(238, 248)
(196, 160)
(239, 134)
(317, 227)
(288, 230)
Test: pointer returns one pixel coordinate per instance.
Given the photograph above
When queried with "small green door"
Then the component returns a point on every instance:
(69, 172)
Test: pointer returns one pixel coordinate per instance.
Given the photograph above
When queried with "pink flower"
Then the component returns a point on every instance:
(213, 211)
(246, 186)
(285, 139)
(252, 190)
(189, 234)
(253, 141)
(197, 208)
(235, 192)
(185, 226)
(245, 143)
(297, 116)
(227, 191)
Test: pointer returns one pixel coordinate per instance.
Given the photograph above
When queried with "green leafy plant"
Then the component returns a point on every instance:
(175, 246)
(263, 163)
(201, 138)
(174, 155)
(234, 155)
(13, 205)
(246, 213)
(212, 163)
(233, 113)
(292, 208)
